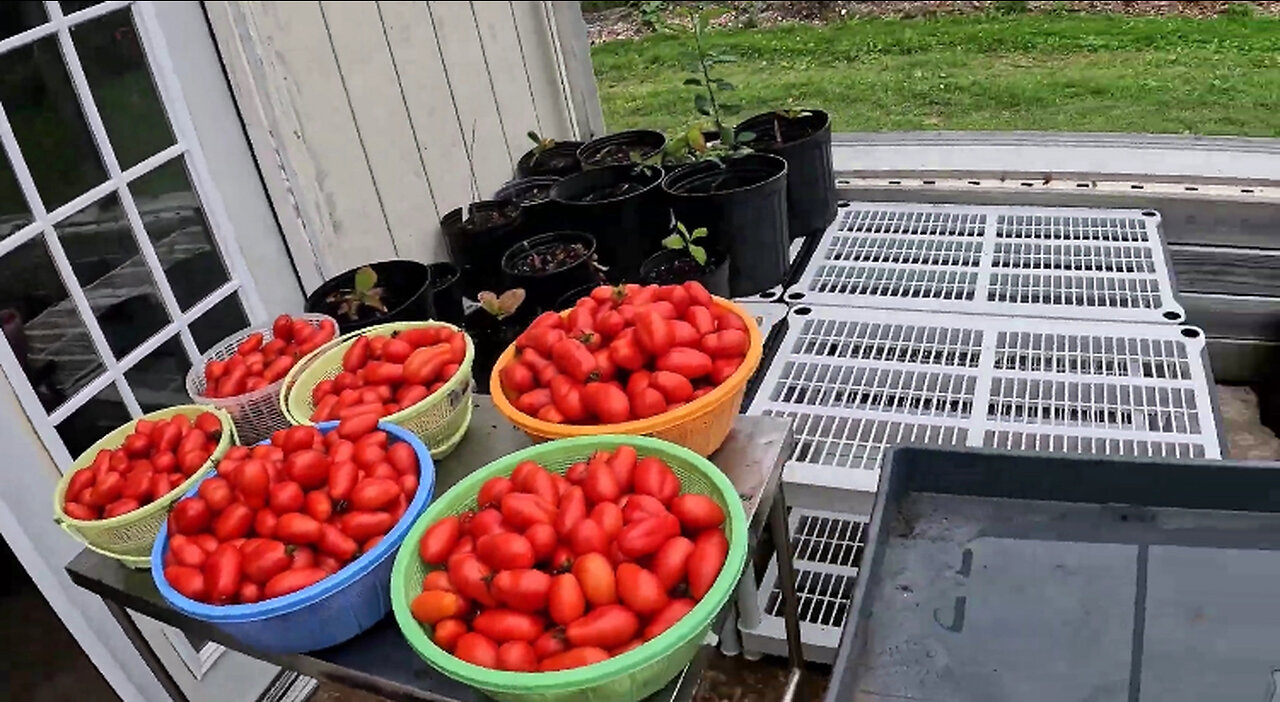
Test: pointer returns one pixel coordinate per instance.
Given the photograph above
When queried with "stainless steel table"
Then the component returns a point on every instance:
(379, 660)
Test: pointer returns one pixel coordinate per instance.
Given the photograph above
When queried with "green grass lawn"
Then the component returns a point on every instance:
(1103, 73)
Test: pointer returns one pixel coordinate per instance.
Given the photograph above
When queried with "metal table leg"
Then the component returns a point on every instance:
(148, 654)
(787, 585)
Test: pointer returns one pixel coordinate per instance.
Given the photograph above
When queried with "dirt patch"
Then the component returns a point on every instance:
(629, 23)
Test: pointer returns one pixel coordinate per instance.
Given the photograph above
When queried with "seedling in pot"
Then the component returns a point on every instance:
(549, 258)
(693, 144)
(504, 305)
(363, 293)
(683, 239)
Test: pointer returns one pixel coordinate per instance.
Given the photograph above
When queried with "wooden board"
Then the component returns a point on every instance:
(1208, 269)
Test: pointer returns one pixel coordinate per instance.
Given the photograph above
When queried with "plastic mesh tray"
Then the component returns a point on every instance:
(827, 549)
(1034, 261)
(855, 381)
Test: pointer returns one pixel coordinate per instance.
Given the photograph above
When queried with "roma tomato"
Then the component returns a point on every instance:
(566, 396)
(485, 522)
(637, 506)
(356, 427)
(293, 580)
(188, 581)
(690, 363)
(565, 599)
(647, 402)
(217, 493)
(318, 505)
(298, 528)
(533, 401)
(191, 516)
(727, 343)
(402, 457)
(723, 368)
(625, 353)
(573, 359)
(601, 484)
(309, 469)
(434, 605)
(684, 334)
(285, 497)
(264, 523)
(587, 537)
(550, 643)
(337, 544)
(605, 627)
(573, 658)
(595, 575)
(653, 333)
(437, 542)
(374, 493)
(647, 536)
(573, 509)
(668, 616)
(517, 379)
(673, 386)
(671, 561)
(471, 577)
(697, 512)
(264, 560)
(656, 479)
(523, 510)
(609, 516)
(505, 551)
(508, 625)
(492, 492)
(342, 479)
(446, 633)
(222, 572)
(121, 506)
(623, 463)
(705, 562)
(543, 538)
(477, 649)
(640, 589)
(517, 656)
(252, 481)
(523, 589)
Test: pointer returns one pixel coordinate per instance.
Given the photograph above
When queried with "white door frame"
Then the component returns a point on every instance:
(181, 54)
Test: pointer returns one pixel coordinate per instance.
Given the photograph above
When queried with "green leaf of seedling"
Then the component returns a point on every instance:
(746, 137)
(702, 104)
(696, 140)
(722, 84)
(533, 136)
(365, 280)
(730, 108)
(674, 241)
(687, 81)
(680, 228)
(699, 254)
(698, 233)
(726, 134)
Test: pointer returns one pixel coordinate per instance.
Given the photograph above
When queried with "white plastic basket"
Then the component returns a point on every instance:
(256, 414)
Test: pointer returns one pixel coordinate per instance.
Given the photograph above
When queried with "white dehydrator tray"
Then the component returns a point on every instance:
(1056, 262)
(827, 552)
(857, 380)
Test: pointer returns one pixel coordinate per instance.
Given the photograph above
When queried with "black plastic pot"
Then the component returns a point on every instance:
(476, 244)
(623, 207)
(621, 148)
(544, 288)
(446, 293)
(538, 212)
(673, 266)
(558, 161)
(490, 337)
(406, 292)
(806, 147)
(743, 205)
(569, 299)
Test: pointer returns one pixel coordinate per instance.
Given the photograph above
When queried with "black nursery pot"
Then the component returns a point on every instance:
(406, 293)
(550, 265)
(617, 149)
(806, 147)
(539, 214)
(475, 244)
(491, 336)
(623, 207)
(743, 205)
(674, 266)
(446, 293)
(558, 161)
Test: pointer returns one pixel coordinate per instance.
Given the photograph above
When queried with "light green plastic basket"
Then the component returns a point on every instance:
(626, 678)
(440, 420)
(128, 538)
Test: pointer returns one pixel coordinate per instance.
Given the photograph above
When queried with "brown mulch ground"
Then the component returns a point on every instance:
(624, 23)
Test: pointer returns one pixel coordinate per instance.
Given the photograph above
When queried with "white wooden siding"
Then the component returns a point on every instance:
(362, 115)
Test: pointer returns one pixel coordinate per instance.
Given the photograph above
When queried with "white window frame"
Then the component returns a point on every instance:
(186, 147)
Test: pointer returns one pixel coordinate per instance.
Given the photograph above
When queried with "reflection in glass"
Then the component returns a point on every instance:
(122, 87)
(69, 6)
(104, 255)
(93, 420)
(14, 213)
(175, 222)
(18, 17)
(47, 121)
(159, 379)
(42, 326)
(222, 320)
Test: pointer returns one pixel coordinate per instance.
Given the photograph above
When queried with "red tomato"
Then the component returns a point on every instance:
(606, 626)
(673, 386)
(508, 625)
(265, 560)
(566, 396)
(550, 643)
(666, 617)
(523, 589)
(595, 575)
(561, 559)
(640, 589)
(523, 510)
(374, 493)
(690, 363)
(723, 368)
(486, 521)
(298, 528)
(646, 402)
(670, 563)
(540, 339)
(356, 427)
(607, 402)
(726, 319)
(342, 479)
(446, 633)
(493, 490)
(609, 516)
(654, 478)
(705, 562)
(248, 593)
(106, 489)
(337, 544)
(438, 540)
(356, 355)
(517, 379)
(309, 468)
(471, 577)
(222, 571)
(697, 512)
(303, 557)
(286, 497)
(647, 536)
(121, 506)
(217, 493)
(653, 333)
(264, 523)
(573, 658)
(626, 353)
(75, 510)
(477, 649)
(434, 605)
(573, 359)
(565, 599)
(601, 484)
(252, 481)
(517, 656)
(293, 580)
(191, 516)
(587, 537)
(282, 328)
(543, 538)
(533, 401)
(402, 457)
(188, 581)
(573, 509)
(505, 551)
(636, 507)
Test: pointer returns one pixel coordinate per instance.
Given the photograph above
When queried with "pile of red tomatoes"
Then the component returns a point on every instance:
(560, 571)
(623, 353)
(258, 363)
(382, 375)
(284, 515)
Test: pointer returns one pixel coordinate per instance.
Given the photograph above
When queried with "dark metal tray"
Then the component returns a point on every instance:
(1005, 577)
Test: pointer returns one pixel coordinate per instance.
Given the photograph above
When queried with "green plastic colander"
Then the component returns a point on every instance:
(625, 678)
